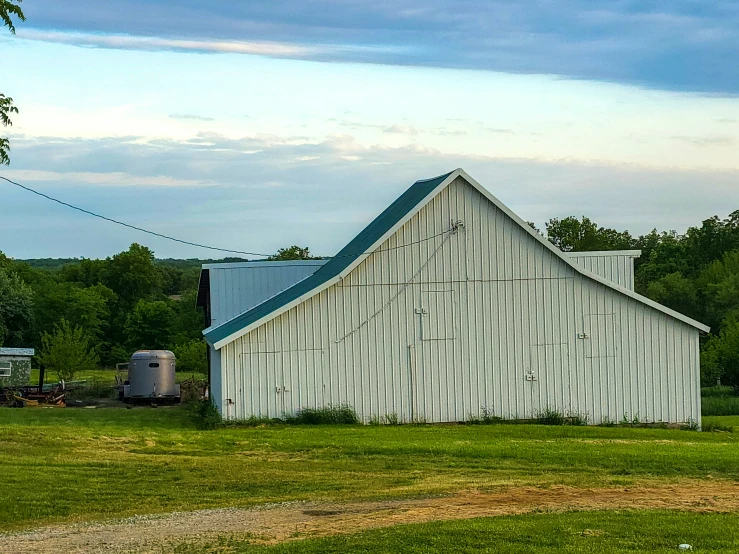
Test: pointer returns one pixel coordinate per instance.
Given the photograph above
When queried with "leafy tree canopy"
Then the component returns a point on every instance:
(16, 314)
(9, 9)
(580, 235)
(150, 325)
(292, 253)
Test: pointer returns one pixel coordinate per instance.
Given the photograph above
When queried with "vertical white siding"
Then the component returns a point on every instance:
(485, 318)
(617, 266)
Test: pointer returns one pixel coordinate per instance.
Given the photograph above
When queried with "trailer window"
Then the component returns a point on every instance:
(5, 369)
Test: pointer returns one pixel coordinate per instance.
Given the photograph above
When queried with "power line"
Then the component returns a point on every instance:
(88, 212)
(197, 245)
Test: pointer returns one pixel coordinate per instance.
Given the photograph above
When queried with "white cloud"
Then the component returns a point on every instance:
(114, 178)
(276, 49)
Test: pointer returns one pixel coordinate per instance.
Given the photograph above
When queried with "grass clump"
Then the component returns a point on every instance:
(486, 417)
(712, 426)
(329, 415)
(577, 419)
(550, 416)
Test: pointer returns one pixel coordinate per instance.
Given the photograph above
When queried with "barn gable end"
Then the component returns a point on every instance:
(461, 309)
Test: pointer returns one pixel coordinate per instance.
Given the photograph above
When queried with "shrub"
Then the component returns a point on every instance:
(690, 425)
(206, 414)
(330, 415)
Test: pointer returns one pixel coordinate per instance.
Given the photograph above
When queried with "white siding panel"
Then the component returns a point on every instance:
(485, 318)
(617, 266)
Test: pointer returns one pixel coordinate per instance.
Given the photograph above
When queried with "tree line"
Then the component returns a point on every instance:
(133, 301)
(695, 273)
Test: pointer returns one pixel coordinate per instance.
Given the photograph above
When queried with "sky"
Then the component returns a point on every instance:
(257, 125)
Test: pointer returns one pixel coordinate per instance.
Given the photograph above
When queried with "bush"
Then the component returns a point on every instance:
(330, 415)
(206, 414)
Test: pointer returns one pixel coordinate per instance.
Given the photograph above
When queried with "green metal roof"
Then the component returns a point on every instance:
(349, 254)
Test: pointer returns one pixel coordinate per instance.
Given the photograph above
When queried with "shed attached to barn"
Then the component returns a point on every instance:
(449, 304)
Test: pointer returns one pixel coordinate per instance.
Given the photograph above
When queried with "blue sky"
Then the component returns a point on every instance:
(256, 125)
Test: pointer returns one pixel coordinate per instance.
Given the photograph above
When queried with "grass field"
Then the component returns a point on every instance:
(603, 532)
(90, 464)
(102, 376)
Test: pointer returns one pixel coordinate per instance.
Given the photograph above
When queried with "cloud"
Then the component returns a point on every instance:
(126, 42)
(190, 116)
(677, 45)
(114, 178)
(401, 129)
(208, 190)
(706, 141)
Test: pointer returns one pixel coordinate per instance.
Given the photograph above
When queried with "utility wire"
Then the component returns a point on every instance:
(197, 245)
(88, 212)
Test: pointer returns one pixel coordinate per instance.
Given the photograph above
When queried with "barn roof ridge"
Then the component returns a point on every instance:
(371, 237)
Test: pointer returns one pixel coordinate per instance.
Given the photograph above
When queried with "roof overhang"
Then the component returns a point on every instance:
(605, 253)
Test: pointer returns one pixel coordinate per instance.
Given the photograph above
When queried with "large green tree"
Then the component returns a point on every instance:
(150, 325)
(132, 275)
(15, 310)
(67, 351)
(9, 9)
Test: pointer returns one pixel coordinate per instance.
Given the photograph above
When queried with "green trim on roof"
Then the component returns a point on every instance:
(392, 215)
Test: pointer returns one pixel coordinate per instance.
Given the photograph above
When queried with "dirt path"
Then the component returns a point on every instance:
(276, 523)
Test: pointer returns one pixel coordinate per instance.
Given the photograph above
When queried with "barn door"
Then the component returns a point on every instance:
(304, 380)
(544, 378)
(600, 363)
(434, 381)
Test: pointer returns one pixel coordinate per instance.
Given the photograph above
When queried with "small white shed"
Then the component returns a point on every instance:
(448, 304)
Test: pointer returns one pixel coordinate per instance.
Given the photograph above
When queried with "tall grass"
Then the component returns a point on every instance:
(330, 415)
(720, 405)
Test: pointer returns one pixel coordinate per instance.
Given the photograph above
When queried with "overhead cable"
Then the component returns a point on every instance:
(198, 245)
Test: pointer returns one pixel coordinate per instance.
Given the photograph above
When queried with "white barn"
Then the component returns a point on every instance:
(447, 304)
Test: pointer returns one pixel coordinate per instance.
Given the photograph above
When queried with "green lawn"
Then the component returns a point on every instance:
(728, 421)
(101, 376)
(78, 464)
(574, 532)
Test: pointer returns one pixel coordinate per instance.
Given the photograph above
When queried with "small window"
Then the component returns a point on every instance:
(153, 364)
(5, 369)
